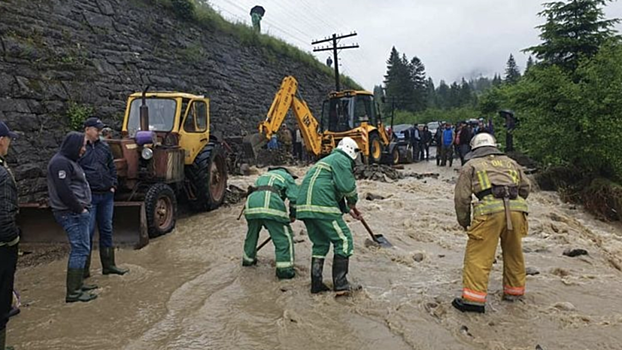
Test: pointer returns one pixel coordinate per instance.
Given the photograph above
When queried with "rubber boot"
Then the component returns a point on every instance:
(74, 284)
(3, 341)
(464, 306)
(513, 298)
(286, 274)
(108, 265)
(340, 282)
(247, 264)
(317, 267)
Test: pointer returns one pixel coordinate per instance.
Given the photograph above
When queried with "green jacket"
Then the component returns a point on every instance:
(325, 186)
(269, 205)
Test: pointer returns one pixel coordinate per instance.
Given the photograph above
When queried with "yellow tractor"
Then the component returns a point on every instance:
(347, 113)
(166, 153)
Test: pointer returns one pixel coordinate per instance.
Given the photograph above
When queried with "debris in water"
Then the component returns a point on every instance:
(376, 172)
(564, 306)
(234, 195)
(373, 197)
(465, 330)
(574, 252)
(530, 271)
(560, 272)
(422, 176)
(538, 347)
(245, 169)
(418, 257)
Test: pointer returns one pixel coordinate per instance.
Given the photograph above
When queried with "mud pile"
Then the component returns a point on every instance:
(377, 172)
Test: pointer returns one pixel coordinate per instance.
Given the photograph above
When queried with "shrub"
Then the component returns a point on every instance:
(184, 9)
(77, 114)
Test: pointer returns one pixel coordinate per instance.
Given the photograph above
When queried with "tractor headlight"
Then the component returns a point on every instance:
(147, 153)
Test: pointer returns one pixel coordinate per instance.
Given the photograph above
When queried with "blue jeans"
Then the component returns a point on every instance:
(102, 208)
(77, 228)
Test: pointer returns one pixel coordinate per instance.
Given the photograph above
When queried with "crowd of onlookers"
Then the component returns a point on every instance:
(456, 140)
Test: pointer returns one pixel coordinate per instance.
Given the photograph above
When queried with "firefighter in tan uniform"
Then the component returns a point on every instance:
(500, 212)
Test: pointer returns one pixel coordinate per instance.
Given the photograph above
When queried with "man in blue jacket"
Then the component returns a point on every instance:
(70, 199)
(448, 145)
(101, 173)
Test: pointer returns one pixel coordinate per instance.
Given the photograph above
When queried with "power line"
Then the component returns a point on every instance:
(335, 48)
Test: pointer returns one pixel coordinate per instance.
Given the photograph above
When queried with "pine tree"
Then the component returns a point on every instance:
(496, 81)
(432, 100)
(573, 28)
(443, 95)
(419, 84)
(466, 94)
(530, 63)
(512, 73)
(397, 81)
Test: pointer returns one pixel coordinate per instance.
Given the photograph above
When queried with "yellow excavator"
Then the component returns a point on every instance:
(346, 113)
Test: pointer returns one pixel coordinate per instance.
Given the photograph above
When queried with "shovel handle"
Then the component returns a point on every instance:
(264, 243)
(371, 233)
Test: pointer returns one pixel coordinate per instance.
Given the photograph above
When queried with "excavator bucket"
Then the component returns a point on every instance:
(252, 144)
(38, 225)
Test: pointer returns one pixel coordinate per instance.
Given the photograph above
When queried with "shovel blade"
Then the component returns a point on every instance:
(380, 239)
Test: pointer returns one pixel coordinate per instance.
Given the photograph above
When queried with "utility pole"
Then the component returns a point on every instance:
(334, 48)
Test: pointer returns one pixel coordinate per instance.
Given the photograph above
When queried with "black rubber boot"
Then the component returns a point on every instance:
(74, 284)
(286, 274)
(340, 281)
(108, 265)
(3, 341)
(247, 264)
(317, 267)
(463, 306)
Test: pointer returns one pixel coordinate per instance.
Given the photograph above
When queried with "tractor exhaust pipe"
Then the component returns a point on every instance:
(144, 112)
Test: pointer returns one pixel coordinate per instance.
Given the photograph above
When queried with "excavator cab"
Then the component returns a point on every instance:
(355, 114)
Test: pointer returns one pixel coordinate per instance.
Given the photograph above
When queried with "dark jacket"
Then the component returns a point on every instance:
(98, 165)
(426, 137)
(8, 205)
(465, 136)
(69, 191)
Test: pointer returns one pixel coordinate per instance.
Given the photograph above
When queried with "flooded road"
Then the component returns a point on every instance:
(188, 290)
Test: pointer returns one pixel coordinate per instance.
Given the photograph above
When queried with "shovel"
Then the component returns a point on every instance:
(380, 239)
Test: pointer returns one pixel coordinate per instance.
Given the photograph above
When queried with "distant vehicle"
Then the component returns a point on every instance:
(433, 127)
(402, 152)
(399, 131)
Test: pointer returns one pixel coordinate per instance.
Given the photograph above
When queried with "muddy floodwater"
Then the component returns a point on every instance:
(188, 289)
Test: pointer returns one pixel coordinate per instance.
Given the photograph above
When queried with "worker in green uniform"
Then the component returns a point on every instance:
(327, 192)
(265, 207)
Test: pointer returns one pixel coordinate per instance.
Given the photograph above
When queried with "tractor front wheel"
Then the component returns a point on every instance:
(160, 210)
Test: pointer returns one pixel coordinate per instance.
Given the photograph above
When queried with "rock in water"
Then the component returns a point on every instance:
(574, 252)
(530, 271)
(418, 257)
(564, 306)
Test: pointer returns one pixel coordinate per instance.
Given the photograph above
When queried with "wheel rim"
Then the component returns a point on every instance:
(375, 149)
(163, 213)
(217, 179)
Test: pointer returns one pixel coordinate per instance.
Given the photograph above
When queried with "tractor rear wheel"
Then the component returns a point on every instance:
(396, 155)
(208, 178)
(375, 148)
(160, 210)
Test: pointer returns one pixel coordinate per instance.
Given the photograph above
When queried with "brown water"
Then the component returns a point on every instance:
(188, 290)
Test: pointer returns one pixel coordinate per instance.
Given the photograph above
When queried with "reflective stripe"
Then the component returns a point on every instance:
(491, 206)
(266, 202)
(267, 211)
(318, 209)
(11, 243)
(342, 236)
(312, 184)
(514, 290)
(283, 264)
(247, 259)
(318, 256)
(324, 166)
(288, 233)
(484, 181)
(351, 194)
(514, 176)
(472, 295)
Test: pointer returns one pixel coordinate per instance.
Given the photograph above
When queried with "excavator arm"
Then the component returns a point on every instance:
(285, 99)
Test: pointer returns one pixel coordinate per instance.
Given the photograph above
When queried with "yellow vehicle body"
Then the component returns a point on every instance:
(322, 136)
(190, 120)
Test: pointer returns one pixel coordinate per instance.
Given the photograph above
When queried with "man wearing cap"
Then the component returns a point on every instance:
(265, 207)
(327, 192)
(500, 213)
(9, 233)
(101, 173)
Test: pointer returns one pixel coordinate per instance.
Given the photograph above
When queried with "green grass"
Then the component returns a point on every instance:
(205, 16)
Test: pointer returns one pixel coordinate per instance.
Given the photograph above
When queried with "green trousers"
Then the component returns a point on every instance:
(324, 232)
(282, 237)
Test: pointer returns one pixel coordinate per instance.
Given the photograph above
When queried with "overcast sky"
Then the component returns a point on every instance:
(453, 38)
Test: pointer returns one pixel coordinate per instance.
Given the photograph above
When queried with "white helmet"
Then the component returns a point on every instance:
(483, 140)
(349, 146)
